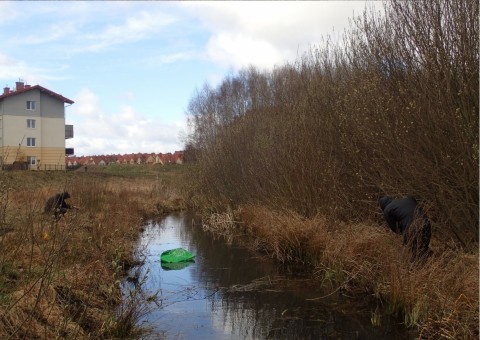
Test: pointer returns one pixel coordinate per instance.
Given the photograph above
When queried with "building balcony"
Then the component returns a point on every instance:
(69, 151)
(68, 131)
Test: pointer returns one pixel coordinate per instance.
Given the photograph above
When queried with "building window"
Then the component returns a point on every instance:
(31, 123)
(31, 160)
(30, 105)
(30, 141)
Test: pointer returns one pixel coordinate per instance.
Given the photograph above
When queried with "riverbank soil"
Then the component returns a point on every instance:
(59, 278)
(438, 298)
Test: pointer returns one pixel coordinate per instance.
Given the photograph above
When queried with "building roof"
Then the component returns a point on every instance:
(27, 88)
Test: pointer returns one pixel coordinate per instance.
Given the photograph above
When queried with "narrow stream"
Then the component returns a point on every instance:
(229, 293)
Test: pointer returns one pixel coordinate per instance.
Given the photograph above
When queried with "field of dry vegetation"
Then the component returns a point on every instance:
(300, 155)
(60, 279)
(295, 159)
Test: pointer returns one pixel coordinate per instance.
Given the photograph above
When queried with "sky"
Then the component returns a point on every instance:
(132, 66)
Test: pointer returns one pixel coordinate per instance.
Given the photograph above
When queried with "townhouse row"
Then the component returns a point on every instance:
(134, 158)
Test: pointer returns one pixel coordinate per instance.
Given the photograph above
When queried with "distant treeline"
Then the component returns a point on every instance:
(392, 109)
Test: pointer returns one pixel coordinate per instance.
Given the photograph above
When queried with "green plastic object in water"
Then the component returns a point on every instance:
(176, 255)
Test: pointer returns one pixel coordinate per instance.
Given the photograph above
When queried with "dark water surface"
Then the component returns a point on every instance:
(230, 293)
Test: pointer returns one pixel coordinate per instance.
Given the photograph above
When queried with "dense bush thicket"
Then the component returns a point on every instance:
(393, 110)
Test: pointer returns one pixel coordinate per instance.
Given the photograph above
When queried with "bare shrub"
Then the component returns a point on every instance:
(394, 110)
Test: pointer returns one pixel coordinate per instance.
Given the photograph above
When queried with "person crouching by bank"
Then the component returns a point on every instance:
(405, 217)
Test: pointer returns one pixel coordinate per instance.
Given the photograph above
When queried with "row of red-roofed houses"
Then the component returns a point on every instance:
(133, 158)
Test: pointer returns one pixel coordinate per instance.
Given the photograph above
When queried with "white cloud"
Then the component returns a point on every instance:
(136, 27)
(174, 57)
(215, 79)
(125, 131)
(53, 32)
(238, 49)
(13, 69)
(9, 13)
(266, 33)
(169, 58)
(86, 103)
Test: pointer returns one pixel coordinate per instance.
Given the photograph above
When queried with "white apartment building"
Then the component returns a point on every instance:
(32, 128)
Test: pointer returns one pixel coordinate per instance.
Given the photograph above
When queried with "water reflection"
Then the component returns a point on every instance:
(176, 265)
(229, 293)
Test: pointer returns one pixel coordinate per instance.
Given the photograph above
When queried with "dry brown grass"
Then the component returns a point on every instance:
(439, 297)
(60, 279)
(221, 225)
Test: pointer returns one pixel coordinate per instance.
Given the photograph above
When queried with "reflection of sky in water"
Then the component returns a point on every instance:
(186, 312)
(213, 297)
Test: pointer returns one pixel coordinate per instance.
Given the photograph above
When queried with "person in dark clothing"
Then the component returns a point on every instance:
(405, 217)
(56, 204)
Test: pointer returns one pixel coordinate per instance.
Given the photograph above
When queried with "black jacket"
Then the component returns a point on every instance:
(398, 213)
